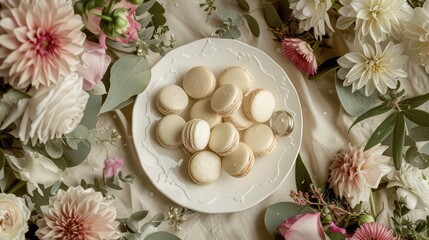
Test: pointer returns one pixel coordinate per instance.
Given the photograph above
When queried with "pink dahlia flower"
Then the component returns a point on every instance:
(112, 166)
(40, 41)
(300, 53)
(374, 231)
(78, 214)
(353, 172)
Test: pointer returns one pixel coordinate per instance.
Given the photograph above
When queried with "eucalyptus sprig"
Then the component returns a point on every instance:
(405, 228)
(400, 109)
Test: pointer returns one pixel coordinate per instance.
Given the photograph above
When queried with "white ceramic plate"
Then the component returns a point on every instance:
(167, 168)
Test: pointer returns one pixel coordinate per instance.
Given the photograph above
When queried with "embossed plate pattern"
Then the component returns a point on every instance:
(167, 168)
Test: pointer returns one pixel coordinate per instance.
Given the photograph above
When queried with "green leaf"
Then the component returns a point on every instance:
(253, 25)
(156, 8)
(325, 68)
(356, 103)
(161, 236)
(114, 186)
(147, 33)
(3, 111)
(157, 219)
(335, 235)
(129, 76)
(55, 188)
(419, 133)
(279, 212)
(54, 148)
(137, 216)
(382, 131)
(271, 16)
(8, 179)
(98, 89)
(132, 225)
(60, 162)
(371, 113)
(233, 33)
(414, 101)
(228, 15)
(417, 116)
(76, 157)
(158, 20)
(2, 163)
(302, 178)
(90, 114)
(398, 140)
(144, 7)
(243, 4)
(144, 22)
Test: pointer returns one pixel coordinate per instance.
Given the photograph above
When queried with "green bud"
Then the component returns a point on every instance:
(365, 218)
(135, 2)
(79, 8)
(120, 20)
(327, 219)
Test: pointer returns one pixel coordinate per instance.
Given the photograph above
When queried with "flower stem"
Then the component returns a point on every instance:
(16, 187)
(372, 205)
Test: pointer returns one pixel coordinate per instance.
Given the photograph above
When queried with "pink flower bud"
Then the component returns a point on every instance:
(112, 166)
(336, 229)
(302, 226)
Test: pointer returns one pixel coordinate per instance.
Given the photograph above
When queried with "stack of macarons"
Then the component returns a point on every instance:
(225, 127)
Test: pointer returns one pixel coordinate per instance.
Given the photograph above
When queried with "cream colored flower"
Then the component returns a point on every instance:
(35, 169)
(14, 215)
(78, 214)
(414, 180)
(353, 172)
(40, 41)
(313, 14)
(52, 112)
(347, 15)
(416, 34)
(373, 68)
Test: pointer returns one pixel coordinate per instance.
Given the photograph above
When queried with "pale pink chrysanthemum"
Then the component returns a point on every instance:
(373, 230)
(40, 41)
(354, 172)
(78, 214)
(300, 53)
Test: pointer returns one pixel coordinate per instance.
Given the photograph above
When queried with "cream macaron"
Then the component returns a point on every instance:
(172, 99)
(224, 139)
(202, 110)
(240, 162)
(259, 104)
(237, 76)
(204, 167)
(226, 99)
(195, 135)
(239, 119)
(169, 131)
(260, 139)
(199, 82)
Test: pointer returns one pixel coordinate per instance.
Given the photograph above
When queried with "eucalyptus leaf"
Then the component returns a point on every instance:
(371, 113)
(228, 15)
(284, 10)
(129, 76)
(2, 163)
(157, 219)
(13, 95)
(417, 116)
(114, 186)
(7, 180)
(302, 178)
(144, 7)
(414, 101)
(137, 216)
(156, 8)
(54, 148)
(382, 131)
(158, 20)
(125, 103)
(271, 16)
(132, 225)
(98, 89)
(90, 114)
(144, 22)
(355, 103)
(419, 133)
(147, 33)
(280, 212)
(3, 111)
(398, 140)
(244, 5)
(76, 157)
(60, 162)
(335, 235)
(132, 236)
(253, 25)
(325, 68)
(232, 33)
(161, 235)
(55, 187)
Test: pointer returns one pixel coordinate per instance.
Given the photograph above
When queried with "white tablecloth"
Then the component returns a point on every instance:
(325, 126)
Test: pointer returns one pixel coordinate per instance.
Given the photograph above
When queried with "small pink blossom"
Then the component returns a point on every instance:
(94, 64)
(302, 226)
(374, 231)
(300, 53)
(336, 229)
(112, 166)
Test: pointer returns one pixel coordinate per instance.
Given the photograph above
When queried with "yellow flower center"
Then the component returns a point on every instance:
(374, 65)
(375, 11)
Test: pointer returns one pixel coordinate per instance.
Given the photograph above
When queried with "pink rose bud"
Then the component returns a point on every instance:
(112, 166)
(94, 64)
(300, 53)
(336, 229)
(302, 226)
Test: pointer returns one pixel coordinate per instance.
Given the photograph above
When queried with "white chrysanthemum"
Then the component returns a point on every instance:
(379, 18)
(347, 15)
(353, 172)
(416, 33)
(313, 14)
(78, 214)
(414, 180)
(373, 68)
(40, 41)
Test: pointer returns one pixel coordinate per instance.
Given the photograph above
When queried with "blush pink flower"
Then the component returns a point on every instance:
(78, 214)
(302, 226)
(300, 53)
(94, 64)
(353, 172)
(336, 229)
(374, 231)
(112, 166)
(40, 42)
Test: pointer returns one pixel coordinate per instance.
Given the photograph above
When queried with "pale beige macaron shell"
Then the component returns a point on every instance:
(239, 119)
(169, 131)
(226, 99)
(196, 135)
(260, 139)
(202, 110)
(237, 76)
(199, 82)
(240, 162)
(224, 139)
(171, 99)
(204, 167)
(259, 104)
